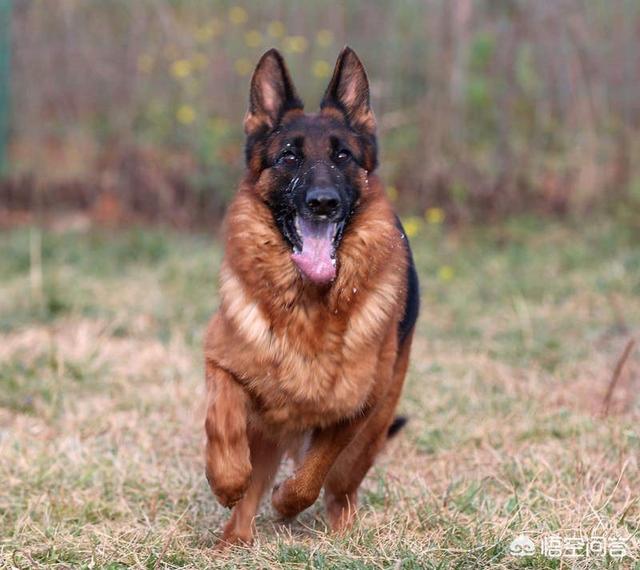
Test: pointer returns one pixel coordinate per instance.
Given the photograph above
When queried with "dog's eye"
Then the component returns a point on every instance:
(343, 156)
(288, 158)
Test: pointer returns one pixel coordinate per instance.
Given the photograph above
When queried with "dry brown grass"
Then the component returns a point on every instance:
(101, 391)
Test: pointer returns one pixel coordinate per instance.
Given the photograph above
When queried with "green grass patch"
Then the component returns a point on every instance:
(520, 329)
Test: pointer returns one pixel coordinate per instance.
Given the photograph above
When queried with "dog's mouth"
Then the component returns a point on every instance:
(314, 247)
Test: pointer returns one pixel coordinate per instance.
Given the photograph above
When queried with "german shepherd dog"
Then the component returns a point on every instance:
(308, 351)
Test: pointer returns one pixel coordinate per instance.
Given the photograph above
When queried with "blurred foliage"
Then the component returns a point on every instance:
(5, 79)
(484, 108)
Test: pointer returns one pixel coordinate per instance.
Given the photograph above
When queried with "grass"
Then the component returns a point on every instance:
(520, 330)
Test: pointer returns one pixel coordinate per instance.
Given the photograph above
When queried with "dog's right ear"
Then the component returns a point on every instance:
(272, 94)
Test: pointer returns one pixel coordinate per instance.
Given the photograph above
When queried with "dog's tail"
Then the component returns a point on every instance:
(396, 425)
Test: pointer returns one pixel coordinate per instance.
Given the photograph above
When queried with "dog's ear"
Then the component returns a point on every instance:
(271, 95)
(348, 91)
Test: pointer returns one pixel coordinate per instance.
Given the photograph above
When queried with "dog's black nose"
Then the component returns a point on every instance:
(323, 201)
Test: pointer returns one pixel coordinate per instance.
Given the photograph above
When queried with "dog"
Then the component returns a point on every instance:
(319, 297)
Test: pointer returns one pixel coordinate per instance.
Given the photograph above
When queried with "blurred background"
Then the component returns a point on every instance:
(132, 111)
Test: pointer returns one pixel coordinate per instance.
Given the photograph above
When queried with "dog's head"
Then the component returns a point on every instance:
(311, 169)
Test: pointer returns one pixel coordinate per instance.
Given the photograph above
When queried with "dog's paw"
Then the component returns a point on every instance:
(228, 491)
(234, 537)
(290, 498)
(229, 497)
(341, 510)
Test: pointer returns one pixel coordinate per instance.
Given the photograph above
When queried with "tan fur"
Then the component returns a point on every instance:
(305, 358)
(315, 370)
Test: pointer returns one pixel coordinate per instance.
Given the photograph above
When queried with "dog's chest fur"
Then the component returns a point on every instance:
(311, 365)
(307, 359)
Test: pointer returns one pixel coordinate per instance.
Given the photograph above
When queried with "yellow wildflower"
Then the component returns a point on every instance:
(186, 114)
(204, 33)
(412, 226)
(295, 44)
(253, 38)
(324, 38)
(181, 68)
(321, 68)
(434, 215)
(276, 29)
(238, 15)
(445, 273)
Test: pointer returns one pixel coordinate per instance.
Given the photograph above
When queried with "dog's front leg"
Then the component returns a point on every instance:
(228, 464)
(301, 490)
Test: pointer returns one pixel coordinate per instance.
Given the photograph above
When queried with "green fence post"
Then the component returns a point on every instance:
(5, 80)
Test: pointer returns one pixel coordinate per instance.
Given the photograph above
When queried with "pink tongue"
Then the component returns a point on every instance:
(317, 245)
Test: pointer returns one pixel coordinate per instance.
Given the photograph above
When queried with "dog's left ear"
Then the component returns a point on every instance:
(348, 91)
